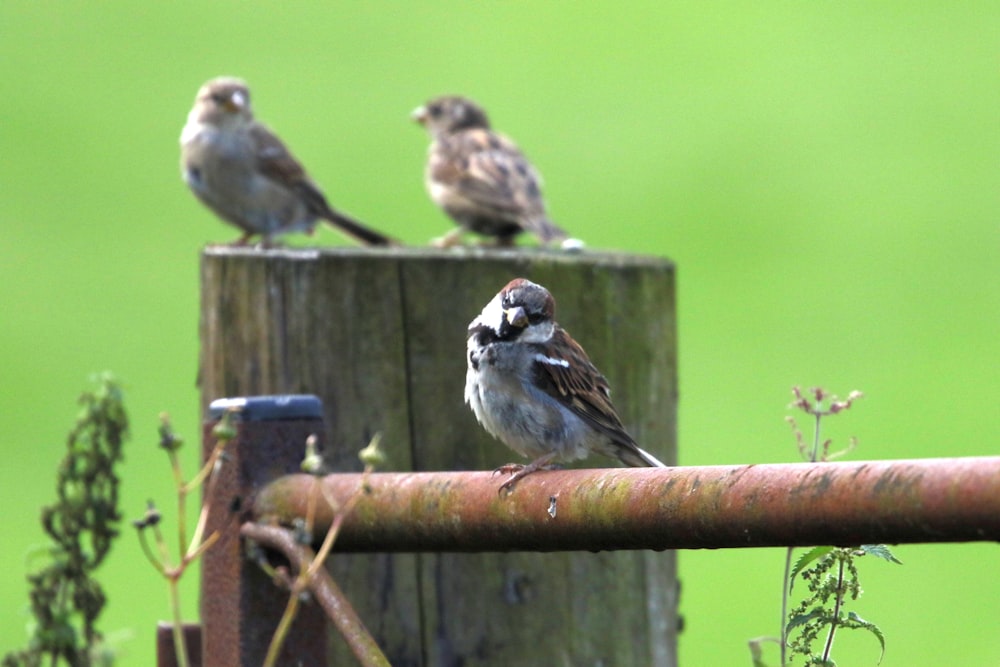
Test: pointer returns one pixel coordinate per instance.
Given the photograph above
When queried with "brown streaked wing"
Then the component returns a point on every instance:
(276, 163)
(579, 386)
(496, 175)
(273, 158)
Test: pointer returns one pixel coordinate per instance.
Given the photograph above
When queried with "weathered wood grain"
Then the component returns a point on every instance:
(379, 336)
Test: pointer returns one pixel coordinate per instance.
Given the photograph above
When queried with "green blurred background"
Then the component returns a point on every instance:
(825, 175)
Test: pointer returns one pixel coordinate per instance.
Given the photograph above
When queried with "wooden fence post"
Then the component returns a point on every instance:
(379, 336)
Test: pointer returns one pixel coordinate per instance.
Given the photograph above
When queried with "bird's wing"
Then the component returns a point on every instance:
(564, 371)
(275, 162)
(489, 170)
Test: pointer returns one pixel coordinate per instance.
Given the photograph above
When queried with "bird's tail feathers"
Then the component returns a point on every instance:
(639, 457)
(547, 231)
(356, 230)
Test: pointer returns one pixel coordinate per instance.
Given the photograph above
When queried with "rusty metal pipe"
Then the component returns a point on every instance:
(798, 504)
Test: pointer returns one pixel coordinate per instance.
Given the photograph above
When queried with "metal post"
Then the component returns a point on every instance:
(240, 606)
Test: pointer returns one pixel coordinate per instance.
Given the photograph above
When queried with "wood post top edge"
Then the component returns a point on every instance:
(458, 253)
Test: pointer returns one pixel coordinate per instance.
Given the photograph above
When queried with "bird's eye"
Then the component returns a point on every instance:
(218, 98)
(435, 111)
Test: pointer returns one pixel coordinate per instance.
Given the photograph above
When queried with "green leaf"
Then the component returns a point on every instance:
(802, 619)
(808, 557)
(858, 622)
(881, 551)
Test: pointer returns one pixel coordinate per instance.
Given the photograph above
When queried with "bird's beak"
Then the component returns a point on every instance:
(516, 317)
(419, 115)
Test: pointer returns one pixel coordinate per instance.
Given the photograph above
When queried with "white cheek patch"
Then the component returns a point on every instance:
(541, 358)
(492, 316)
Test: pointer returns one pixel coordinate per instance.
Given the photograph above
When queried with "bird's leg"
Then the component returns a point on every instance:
(517, 471)
(506, 241)
(508, 469)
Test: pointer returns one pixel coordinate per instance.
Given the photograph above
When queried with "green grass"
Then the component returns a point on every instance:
(825, 176)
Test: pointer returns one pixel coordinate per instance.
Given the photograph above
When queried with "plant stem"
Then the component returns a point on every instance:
(338, 520)
(149, 552)
(208, 468)
(309, 568)
(326, 593)
(180, 647)
(175, 464)
(196, 553)
(164, 551)
(786, 585)
(815, 451)
(788, 557)
(836, 611)
(278, 639)
(199, 530)
(300, 583)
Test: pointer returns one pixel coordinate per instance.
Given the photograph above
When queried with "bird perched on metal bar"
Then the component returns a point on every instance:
(533, 387)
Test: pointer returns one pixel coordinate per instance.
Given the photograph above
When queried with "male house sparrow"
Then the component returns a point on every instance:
(479, 177)
(238, 168)
(533, 387)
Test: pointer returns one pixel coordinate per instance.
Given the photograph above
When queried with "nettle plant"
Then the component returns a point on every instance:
(830, 574)
(831, 577)
(66, 599)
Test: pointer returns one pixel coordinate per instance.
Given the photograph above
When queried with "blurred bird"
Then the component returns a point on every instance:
(533, 387)
(238, 168)
(479, 177)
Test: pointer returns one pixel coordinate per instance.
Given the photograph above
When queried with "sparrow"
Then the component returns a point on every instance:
(241, 170)
(479, 177)
(534, 388)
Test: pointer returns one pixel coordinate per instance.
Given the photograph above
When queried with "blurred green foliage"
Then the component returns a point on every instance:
(81, 525)
(825, 175)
